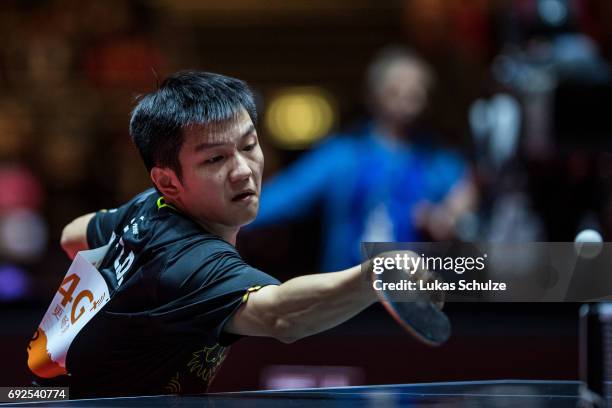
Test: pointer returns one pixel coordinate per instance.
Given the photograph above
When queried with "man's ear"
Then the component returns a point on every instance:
(166, 181)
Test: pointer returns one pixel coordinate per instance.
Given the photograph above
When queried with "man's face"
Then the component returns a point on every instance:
(403, 92)
(222, 165)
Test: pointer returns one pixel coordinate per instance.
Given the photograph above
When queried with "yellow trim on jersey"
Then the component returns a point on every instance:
(248, 292)
(161, 203)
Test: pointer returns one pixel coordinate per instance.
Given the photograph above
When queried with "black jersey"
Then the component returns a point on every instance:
(175, 286)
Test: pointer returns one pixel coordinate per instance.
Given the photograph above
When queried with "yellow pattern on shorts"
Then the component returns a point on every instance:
(205, 362)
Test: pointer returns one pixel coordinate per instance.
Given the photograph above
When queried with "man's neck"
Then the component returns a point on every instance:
(226, 233)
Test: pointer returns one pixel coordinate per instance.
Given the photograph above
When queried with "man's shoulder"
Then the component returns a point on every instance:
(149, 196)
(199, 245)
(193, 262)
(149, 223)
(135, 205)
(169, 228)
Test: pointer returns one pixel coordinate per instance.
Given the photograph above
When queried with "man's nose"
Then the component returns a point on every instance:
(241, 170)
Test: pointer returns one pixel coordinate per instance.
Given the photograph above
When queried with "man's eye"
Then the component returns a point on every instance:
(250, 147)
(214, 159)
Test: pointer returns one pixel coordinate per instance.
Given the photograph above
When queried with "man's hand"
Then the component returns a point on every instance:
(421, 274)
(417, 310)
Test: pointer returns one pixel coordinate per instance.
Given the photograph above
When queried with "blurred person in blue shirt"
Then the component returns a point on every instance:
(386, 182)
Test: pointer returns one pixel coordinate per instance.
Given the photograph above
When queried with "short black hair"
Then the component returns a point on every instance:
(184, 98)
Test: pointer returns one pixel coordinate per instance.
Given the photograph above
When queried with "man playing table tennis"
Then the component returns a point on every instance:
(181, 294)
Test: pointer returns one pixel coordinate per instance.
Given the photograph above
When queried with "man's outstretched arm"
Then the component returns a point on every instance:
(74, 235)
(303, 306)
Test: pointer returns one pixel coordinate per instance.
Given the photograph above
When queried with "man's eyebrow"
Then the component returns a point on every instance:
(206, 145)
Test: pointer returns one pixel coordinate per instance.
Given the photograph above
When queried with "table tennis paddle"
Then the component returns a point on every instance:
(418, 312)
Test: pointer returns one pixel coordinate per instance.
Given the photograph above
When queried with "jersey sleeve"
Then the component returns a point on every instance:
(203, 287)
(101, 227)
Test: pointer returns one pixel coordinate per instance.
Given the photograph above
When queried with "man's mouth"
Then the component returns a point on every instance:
(244, 195)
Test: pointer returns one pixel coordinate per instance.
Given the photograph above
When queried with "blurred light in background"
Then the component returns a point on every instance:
(279, 377)
(496, 126)
(20, 189)
(23, 235)
(14, 282)
(505, 69)
(23, 232)
(299, 116)
(553, 12)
